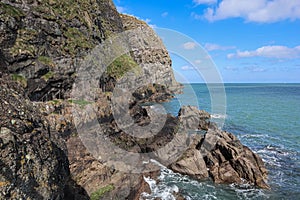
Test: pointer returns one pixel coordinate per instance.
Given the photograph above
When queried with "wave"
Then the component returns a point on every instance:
(170, 182)
(218, 116)
(160, 190)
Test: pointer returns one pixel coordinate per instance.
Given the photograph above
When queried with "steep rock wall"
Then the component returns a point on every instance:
(149, 52)
(43, 41)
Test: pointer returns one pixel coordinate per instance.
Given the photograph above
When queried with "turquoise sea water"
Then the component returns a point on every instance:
(265, 117)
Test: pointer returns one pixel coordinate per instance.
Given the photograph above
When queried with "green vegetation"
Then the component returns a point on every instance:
(46, 61)
(11, 11)
(22, 44)
(55, 101)
(20, 79)
(100, 192)
(121, 65)
(48, 76)
(80, 102)
(76, 39)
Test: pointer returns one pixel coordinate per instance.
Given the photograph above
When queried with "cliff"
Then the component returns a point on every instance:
(43, 45)
(43, 42)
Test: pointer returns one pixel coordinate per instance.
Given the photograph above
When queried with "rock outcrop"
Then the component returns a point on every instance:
(43, 43)
(231, 162)
(33, 163)
(149, 52)
(217, 154)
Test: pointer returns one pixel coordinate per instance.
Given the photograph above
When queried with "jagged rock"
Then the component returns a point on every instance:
(192, 118)
(191, 163)
(44, 41)
(217, 153)
(33, 163)
(150, 53)
(231, 162)
(94, 176)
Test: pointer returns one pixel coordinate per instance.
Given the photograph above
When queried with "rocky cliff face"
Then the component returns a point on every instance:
(33, 161)
(43, 42)
(149, 52)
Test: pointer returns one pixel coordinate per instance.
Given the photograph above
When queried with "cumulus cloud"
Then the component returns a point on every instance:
(165, 14)
(189, 45)
(198, 61)
(255, 69)
(231, 68)
(196, 16)
(262, 11)
(121, 9)
(279, 52)
(199, 2)
(186, 68)
(214, 47)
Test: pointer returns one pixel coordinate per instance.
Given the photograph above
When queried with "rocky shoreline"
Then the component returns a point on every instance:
(42, 153)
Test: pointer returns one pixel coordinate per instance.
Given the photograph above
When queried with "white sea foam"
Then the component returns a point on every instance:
(218, 116)
(160, 190)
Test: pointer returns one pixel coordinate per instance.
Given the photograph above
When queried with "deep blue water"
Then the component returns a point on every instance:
(265, 117)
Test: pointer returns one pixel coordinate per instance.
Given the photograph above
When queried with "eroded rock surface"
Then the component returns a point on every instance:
(33, 163)
(218, 154)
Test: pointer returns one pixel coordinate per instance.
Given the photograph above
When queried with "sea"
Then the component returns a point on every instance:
(266, 118)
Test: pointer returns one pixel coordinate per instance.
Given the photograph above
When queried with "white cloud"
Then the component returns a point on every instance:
(213, 47)
(196, 16)
(255, 69)
(121, 9)
(189, 45)
(262, 11)
(279, 52)
(165, 14)
(147, 20)
(198, 61)
(199, 2)
(186, 68)
(231, 68)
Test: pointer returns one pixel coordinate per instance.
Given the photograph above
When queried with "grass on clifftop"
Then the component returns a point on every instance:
(100, 192)
(121, 65)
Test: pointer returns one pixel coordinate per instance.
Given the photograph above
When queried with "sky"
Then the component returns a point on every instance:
(249, 41)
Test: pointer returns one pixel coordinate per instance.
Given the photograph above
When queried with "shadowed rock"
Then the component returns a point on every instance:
(33, 164)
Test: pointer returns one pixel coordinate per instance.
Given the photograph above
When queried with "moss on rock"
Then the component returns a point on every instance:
(121, 65)
(23, 44)
(100, 192)
(46, 61)
(20, 79)
(10, 11)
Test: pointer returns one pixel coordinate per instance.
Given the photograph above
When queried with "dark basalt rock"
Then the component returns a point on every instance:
(33, 163)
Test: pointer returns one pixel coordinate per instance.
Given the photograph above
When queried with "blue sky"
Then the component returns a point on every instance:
(248, 40)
